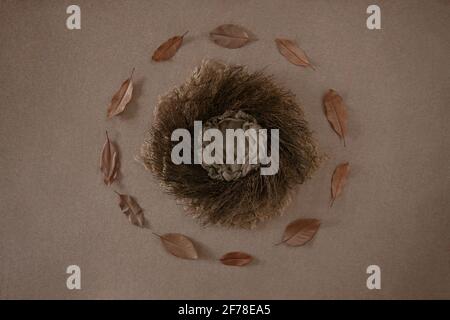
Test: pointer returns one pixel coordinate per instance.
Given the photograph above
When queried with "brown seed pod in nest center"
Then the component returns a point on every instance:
(229, 97)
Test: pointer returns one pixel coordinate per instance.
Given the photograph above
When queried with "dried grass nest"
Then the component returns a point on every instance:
(216, 91)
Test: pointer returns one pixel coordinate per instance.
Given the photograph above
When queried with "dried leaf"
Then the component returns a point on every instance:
(230, 36)
(338, 180)
(109, 162)
(238, 259)
(179, 245)
(131, 209)
(120, 100)
(293, 53)
(168, 49)
(336, 113)
(300, 231)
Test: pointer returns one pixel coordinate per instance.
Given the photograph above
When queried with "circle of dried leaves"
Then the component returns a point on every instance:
(215, 90)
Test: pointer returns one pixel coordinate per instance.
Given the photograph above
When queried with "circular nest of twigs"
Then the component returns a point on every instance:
(223, 96)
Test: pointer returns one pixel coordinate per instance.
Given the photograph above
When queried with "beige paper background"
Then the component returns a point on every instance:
(55, 211)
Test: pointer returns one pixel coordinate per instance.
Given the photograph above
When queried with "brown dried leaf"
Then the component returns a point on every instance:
(336, 113)
(120, 100)
(168, 49)
(179, 245)
(109, 162)
(293, 53)
(238, 259)
(338, 180)
(131, 209)
(230, 36)
(300, 231)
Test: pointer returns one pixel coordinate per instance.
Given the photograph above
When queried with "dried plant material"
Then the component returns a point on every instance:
(131, 209)
(237, 120)
(109, 162)
(230, 36)
(338, 180)
(336, 113)
(293, 53)
(120, 100)
(300, 231)
(237, 259)
(168, 49)
(215, 89)
(179, 245)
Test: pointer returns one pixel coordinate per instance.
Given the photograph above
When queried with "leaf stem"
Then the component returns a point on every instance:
(282, 241)
(154, 233)
(331, 202)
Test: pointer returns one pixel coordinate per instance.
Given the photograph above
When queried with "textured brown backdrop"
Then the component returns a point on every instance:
(55, 211)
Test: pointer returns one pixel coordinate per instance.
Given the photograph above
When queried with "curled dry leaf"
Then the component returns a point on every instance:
(293, 53)
(179, 245)
(168, 49)
(338, 180)
(109, 162)
(131, 209)
(237, 259)
(336, 113)
(120, 100)
(300, 231)
(230, 36)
